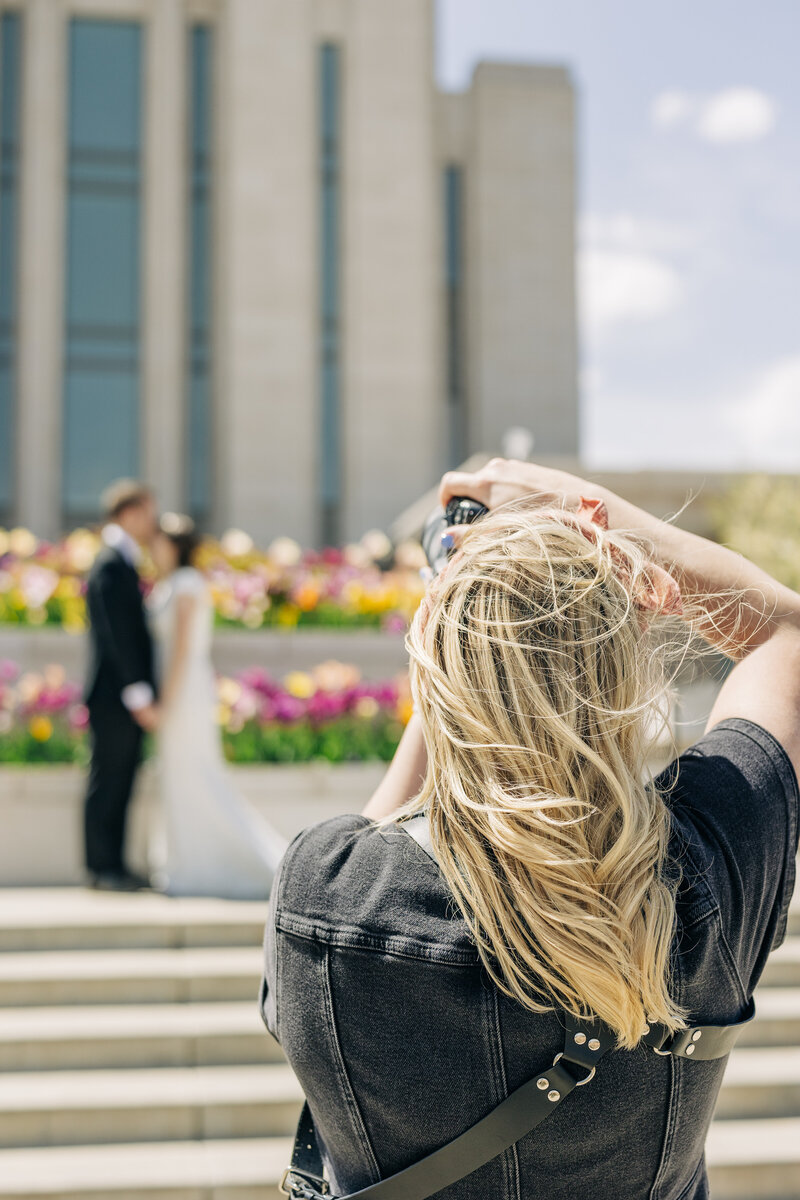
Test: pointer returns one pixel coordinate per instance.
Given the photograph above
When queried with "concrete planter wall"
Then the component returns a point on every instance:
(41, 811)
(378, 655)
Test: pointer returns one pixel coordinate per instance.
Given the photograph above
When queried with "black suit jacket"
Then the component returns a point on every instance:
(121, 649)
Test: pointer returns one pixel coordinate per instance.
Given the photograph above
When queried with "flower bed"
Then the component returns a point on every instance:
(328, 714)
(283, 587)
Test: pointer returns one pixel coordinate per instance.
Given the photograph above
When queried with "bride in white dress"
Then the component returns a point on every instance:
(216, 843)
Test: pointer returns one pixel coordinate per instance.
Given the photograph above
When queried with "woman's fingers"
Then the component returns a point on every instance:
(464, 483)
(452, 536)
(504, 479)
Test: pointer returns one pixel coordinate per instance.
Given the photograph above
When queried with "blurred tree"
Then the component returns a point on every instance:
(759, 515)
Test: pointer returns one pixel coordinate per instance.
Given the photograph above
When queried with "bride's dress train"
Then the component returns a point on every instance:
(215, 842)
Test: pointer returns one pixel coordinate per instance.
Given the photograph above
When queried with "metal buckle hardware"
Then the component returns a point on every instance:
(302, 1188)
(580, 1082)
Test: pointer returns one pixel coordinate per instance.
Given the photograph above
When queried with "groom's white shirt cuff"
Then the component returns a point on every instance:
(137, 695)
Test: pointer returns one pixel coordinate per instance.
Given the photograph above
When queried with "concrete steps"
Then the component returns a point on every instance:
(77, 919)
(761, 1083)
(783, 967)
(754, 1160)
(236, 1169)
(777, 1020)
(151, 1035)
(134, 1064)
(129, 976)
(147, 1105)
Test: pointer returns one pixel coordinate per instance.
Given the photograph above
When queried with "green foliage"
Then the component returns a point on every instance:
(19, 746)
(347, 739)
(759, 516)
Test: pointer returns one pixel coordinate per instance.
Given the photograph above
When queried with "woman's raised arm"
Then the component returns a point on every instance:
(731, 602)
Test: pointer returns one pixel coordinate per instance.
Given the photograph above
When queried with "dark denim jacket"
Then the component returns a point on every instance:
(376, 993)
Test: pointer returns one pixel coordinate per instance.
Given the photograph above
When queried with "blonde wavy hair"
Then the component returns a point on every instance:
(540, 684)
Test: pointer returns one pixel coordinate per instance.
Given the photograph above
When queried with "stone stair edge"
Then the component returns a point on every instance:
(98, 1022)
(102, 964)
(60, 908)
(147, 1087)
(105, 1168)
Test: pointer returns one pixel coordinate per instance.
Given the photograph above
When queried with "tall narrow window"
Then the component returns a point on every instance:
(454, 316)
(101, 399)
(329, 292)
(9, 206)
(199, 411)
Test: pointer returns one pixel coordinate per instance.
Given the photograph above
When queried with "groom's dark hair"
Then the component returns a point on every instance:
(123, 494)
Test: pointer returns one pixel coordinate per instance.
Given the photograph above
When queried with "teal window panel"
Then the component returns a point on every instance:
(103, 288)
(330, 292)
(200, 418)
(10, 82)
(455, 350)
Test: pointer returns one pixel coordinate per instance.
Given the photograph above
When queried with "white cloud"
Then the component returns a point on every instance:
(738, 114)
(625, 231)
(621, 286)
(671, 108)
(766, 417)
(753, 427)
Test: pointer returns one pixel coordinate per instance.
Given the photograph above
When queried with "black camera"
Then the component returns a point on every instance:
(460, 510)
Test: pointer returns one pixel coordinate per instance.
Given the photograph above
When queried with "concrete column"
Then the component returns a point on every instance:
(393, 401)
(520, 209)
(163, 397)
(265, 296)
(41, 267)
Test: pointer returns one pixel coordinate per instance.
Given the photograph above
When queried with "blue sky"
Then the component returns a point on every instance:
(689, 216)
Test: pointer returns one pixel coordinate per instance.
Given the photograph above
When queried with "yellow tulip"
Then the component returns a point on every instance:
(299, 684)
(288, 616)
(41, 729)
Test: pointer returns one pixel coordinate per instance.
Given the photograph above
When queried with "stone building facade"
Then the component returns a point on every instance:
(249, 252)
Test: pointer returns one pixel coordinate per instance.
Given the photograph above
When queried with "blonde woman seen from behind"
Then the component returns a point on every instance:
(565, 884)
(216, 843)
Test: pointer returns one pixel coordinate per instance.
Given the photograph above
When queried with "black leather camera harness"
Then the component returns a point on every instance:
(585, 1044)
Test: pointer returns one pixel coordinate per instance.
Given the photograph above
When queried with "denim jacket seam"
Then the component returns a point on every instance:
(698, 1169)
(347, 1087)
(352, 937)
(669, 1131)
(673, 1107)
(273, 916)
(730, 960)
(705, 903)
(511, 1157)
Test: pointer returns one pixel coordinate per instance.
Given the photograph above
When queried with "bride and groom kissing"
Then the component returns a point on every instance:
(150, 671)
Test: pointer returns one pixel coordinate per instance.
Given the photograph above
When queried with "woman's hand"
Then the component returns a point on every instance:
(504, 479)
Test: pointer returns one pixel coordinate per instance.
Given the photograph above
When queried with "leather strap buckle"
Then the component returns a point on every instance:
(299, 1186)
(578, 1082)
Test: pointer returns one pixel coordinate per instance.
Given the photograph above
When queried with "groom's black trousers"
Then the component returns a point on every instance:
(116, 742)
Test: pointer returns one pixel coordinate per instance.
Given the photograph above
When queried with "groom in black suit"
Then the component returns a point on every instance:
(120, 686)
